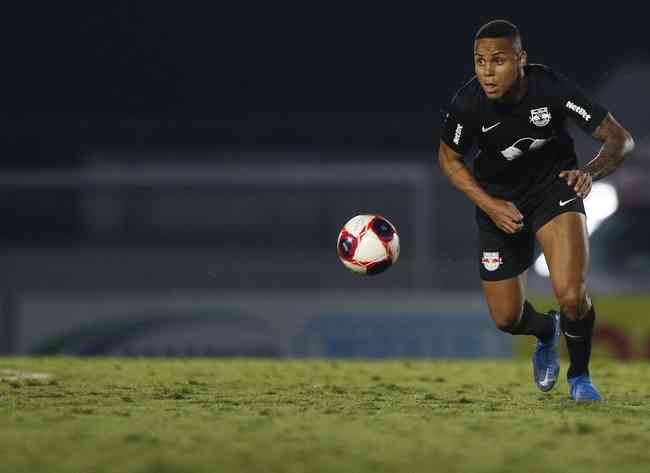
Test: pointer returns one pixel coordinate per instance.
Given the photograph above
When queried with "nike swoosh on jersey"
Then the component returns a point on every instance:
(564, 202)
(485, 130)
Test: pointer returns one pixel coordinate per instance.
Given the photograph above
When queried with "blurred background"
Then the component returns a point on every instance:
(173, 178)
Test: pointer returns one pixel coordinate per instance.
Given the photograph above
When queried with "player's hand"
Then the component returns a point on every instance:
(580, 180)
(505, 215)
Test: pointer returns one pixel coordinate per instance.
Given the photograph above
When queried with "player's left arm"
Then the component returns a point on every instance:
(617, 143)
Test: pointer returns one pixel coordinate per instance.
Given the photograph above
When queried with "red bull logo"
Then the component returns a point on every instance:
(491, 260)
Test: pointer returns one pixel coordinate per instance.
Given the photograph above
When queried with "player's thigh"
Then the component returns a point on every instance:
(503, 261)
(564, 241)
(505, 299)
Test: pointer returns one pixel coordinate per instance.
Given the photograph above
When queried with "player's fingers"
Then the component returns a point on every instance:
(512, 222)
(514, 225)
(514, 213)
(587, 184)
(579, 182)
(566, 175)
(584, 190)
(511, 215)
(571, 178)
(506, 226)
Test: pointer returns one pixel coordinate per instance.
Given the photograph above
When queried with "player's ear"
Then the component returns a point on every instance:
(523, 58)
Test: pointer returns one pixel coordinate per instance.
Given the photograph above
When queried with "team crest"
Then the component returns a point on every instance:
(540, 116)
(491, 260)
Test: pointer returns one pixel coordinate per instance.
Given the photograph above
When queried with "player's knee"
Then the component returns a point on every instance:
(506, 321)
(505, 325)
(570, 301)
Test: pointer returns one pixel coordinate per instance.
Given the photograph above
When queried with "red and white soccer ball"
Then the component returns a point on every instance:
(368, 244)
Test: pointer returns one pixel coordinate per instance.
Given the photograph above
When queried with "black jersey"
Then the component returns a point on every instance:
(523, 146)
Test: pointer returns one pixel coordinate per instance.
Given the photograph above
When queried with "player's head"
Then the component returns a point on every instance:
(499, 58)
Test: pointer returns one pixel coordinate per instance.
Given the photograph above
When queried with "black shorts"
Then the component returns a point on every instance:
(503, 255)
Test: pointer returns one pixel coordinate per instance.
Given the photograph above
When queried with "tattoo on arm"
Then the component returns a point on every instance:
(617, 142)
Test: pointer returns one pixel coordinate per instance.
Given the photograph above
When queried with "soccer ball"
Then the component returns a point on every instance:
(368, 244)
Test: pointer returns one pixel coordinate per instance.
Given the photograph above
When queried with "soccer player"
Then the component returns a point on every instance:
(526, 185)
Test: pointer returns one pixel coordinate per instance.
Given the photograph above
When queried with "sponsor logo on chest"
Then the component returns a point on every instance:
(540, 116)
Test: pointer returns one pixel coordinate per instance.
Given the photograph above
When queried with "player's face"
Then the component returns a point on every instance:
(498, 65)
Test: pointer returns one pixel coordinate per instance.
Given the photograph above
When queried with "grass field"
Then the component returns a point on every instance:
(160, 416)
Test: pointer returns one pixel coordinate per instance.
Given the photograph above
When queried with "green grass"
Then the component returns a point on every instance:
(160, 416)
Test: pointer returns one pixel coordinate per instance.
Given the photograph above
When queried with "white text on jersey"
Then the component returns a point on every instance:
(459, 131)
(579, 110)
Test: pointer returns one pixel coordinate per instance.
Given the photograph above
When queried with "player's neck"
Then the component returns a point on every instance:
(517, 92)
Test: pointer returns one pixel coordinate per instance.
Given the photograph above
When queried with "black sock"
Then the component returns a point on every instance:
(577, 334)
(533, 323)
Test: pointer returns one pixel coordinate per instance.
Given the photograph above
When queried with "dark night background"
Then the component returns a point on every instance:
(146, 75)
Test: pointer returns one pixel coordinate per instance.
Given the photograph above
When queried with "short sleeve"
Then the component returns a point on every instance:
(457, 130)
(584, 111)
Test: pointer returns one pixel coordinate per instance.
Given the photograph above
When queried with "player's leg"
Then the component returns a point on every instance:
(564, 242)
(511, 312)
(505, 300)
(504, 260)
(503, 263)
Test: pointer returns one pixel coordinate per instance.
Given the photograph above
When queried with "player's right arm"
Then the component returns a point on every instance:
(504, 214)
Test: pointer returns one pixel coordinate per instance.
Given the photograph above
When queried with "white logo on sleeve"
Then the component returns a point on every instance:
(491, 260)
(458, 133)
(579, 110)
(540, 116)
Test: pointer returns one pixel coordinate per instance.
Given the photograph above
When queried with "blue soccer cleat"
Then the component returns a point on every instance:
(546, 359)
(581, 389)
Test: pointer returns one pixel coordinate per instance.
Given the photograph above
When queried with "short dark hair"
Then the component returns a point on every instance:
(499, 29)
